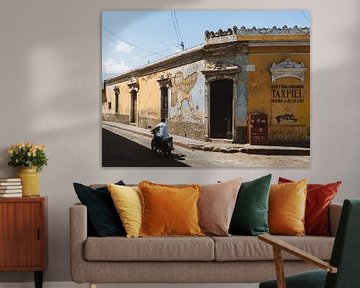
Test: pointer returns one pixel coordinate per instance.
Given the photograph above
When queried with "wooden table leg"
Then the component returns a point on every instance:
(38, 279)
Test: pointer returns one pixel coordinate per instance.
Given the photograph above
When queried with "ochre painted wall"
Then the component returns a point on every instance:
(149, 96)
(289, 119)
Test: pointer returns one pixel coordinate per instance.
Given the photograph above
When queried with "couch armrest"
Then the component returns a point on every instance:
(78, 234)
(334, 217)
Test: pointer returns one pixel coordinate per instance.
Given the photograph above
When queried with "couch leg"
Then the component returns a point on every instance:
(92, 285)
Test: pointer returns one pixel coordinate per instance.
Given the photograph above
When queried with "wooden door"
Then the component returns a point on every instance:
(133, 108)
(221, 109)
(164, 102)
(22, 235)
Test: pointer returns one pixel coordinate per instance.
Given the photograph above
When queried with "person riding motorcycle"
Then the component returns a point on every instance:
(161, 132)
(161, 141)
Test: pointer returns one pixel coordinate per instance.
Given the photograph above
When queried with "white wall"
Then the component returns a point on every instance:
(50, 94)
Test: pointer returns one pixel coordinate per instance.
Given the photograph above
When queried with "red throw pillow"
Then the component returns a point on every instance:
(319, 197)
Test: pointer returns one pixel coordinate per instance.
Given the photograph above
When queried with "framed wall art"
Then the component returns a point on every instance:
(205, 89)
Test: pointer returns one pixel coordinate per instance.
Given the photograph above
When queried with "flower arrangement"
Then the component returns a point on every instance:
(27, 155)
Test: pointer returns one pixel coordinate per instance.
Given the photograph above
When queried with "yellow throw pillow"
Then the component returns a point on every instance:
(287, 204)
(169, 210)
(127, 201)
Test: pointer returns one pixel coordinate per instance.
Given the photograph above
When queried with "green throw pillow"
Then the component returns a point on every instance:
(250, 216)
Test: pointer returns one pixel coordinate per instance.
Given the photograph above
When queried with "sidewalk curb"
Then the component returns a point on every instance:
(124, 128)
(276, 152)
(188, 146)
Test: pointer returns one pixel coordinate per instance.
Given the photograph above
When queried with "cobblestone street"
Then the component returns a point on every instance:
(124, 148)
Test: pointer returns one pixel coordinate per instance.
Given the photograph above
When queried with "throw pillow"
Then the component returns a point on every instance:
(318, 200)
(102, 215)
(250, 215)
(287, 208)
(216, 206)
(169, 210)
(128, 204)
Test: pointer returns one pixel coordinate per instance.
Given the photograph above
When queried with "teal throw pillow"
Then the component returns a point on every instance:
(250, 216)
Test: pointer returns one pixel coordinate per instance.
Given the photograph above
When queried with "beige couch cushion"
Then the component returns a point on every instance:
(149, 249)
(242, 248)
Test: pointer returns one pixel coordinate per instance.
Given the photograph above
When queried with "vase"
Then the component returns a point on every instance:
(30, 181)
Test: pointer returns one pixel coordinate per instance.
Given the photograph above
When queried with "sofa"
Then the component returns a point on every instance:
(233, 259)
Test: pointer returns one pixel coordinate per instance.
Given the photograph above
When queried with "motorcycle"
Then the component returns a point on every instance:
(164, 145)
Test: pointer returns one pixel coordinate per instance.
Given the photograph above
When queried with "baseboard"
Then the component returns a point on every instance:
(74, 285)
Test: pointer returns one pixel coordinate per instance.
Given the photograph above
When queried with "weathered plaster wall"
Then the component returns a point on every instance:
(122, 115)
(186, 104)
(241, 109)
(186, 101)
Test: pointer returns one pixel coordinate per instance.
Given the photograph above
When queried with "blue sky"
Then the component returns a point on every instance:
(131, 39)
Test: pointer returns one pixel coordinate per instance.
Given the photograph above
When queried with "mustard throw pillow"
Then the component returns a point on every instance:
(127, 201)
(169, 210)
(287, 204)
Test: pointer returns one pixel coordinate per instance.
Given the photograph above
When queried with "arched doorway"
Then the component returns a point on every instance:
(221, 108)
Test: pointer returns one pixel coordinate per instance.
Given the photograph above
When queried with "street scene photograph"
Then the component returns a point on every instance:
(205, 88)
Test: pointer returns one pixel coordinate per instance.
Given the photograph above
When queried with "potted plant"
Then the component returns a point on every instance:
(30, 158)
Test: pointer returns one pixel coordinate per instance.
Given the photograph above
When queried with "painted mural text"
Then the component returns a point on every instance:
(287, 93)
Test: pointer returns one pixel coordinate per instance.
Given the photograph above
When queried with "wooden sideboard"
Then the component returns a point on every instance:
(23, 235)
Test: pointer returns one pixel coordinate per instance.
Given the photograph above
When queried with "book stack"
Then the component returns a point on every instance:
(10, 187)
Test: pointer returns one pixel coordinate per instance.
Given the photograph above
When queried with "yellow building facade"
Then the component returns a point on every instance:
(247, 85)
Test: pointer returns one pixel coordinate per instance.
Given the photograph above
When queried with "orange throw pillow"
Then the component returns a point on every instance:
(169, 210)
(287, 204)
(318, 200)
